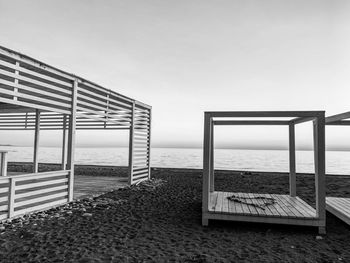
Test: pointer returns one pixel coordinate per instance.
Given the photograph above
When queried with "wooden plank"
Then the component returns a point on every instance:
(40, 199)
(40, 207)
(300, 120)
(279, 206)
(212, 200)
(338, 117)
(42, 191)
(131, 145)
(11, 201)
(219, 202)
(206, 167)
(25, 177)
(4, 198)
(292, 205)
(225, 205)
(39, 184)
(272, 208)
(3, 171)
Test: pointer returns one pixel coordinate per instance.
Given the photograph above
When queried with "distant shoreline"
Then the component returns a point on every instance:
(122, 171)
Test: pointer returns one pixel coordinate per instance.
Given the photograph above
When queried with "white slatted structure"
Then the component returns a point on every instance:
(339, 206)
(287, 209)
(32, 192)
(36, 96)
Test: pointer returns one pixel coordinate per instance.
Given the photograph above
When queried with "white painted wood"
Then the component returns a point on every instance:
(36, 142)
(41, 184)
(223, 114)
(250, 122)
(64, 143)
(42, 191)
(211, 172)
(131, 145)
(338, 117)
(11, 202)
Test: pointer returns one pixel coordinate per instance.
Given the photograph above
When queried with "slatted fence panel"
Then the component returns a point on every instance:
(141, 144)
(28, 84)
(23, 194)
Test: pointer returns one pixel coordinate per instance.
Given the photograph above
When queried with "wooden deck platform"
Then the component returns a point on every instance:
(285, 210)
(340, 207)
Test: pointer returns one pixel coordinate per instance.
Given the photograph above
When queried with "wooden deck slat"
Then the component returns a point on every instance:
(308, 210)
(218, 206)
(278, 206)
(212, 201)
(272, 208)
(340, 207)
(291, 205)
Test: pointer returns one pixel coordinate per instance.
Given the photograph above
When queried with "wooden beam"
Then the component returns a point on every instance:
(36, 142)
(206, 167)
(319, 153)
(301, 120)
(338, 117)
(339, 123)
(131, 145)
(265, 113)
(292, 173)
(3, 171)
(149, 146)
(250, 122)
(71, 140)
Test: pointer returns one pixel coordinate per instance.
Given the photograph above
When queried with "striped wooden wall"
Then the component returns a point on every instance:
(141, 146)
(27, 85)
(22, 194)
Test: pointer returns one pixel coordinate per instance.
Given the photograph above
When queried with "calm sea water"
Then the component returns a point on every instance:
(338, 162)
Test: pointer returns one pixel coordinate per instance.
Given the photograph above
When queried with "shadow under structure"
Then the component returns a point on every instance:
(36, 96)
(247, 207)
(339, 206)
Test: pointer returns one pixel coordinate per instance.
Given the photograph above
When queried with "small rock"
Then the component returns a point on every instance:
(319, 238)
(87, 215)
(2, 228)
(61, 218)
(69, 212)
(292, 247)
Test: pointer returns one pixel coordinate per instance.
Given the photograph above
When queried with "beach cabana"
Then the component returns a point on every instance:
(36, 96)
(339, 206)
(284, 209)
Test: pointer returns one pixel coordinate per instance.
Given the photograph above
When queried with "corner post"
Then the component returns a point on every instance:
(292, 173)
(319, 153)
(149, 144)
(206, 167)
(71, 140)
(212, 178)
(64, 142)
(36, 141)
(131, 145)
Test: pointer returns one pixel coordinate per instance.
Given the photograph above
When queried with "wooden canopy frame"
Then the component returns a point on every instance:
(36, 96)
(339, 206)
(292, 210)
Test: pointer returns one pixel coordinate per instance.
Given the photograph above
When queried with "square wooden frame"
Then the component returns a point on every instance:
(318, 118)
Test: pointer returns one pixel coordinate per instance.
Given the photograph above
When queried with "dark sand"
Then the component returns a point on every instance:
(163, 224)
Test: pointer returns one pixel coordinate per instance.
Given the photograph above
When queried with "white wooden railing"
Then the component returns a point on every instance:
(21, 194)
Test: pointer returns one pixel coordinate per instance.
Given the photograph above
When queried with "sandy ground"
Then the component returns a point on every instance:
(163, 224)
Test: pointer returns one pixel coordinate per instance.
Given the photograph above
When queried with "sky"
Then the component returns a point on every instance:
(185, 57)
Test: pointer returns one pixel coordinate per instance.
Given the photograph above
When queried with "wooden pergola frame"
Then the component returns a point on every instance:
(36, 96)
(339, 206)
(294, 117)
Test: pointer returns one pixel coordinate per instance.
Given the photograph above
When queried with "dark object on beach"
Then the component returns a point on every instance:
(266, 200)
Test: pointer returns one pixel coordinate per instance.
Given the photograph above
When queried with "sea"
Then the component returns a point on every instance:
(337, 162)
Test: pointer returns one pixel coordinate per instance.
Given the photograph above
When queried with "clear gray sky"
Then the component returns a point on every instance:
(184, 57)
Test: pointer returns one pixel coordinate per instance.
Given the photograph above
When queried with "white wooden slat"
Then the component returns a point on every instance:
(42, 191)
(135, 177)
(3, 216)
(7, 64)
(4, 198)
(40, 207)
(45, 183)
(46, 77)
(40, 199)
(43, 92)
(24, 177)
(112, 101)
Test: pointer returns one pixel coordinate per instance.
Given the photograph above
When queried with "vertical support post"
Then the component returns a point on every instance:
(3, 171)
(131, 145)
(36, 142)
(206, 167)
(11, 202)
(319, 153)
(15, 90)
(71, 140)
(292, 173)
(64, 141)
(212, 178)
(149, 144)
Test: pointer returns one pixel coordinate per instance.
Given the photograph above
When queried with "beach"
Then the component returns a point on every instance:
(160, 221)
